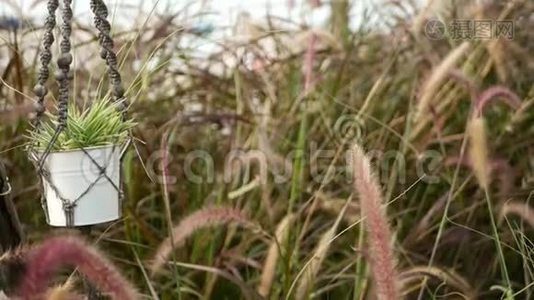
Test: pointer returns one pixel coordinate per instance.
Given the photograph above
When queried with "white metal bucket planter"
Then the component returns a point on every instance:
(82, 187)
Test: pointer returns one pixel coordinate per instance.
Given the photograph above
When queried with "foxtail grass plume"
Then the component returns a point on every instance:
(12, 268)
(382, 259)
(478, 151)
(478, 145)
(499, 167)
(521, 209)
(269, 266)
(437, 77)
(205, 217)
(494, 92)
(56, 252)
(63, 292)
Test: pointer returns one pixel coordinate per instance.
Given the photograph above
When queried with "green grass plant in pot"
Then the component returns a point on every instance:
(81, 173)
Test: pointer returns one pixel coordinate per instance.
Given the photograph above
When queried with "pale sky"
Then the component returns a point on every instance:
(221, 13)
(217, 14)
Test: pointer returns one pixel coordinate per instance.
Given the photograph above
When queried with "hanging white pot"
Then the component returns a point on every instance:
(73, 178)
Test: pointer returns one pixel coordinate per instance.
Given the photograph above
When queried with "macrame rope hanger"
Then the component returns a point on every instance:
(63, 78)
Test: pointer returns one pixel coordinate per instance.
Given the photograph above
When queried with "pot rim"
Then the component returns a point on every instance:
(34, 154)
(85, 148)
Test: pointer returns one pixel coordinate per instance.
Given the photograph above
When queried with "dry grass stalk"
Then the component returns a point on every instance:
(309, 59)
(269, 267)
(521, 209)
(311, 269)
(418, 232)
(452, 279)
(12, 116)
(422, 16)
(478, 151)
(462, 78)
(325, 40)
(381, 256)
(56, 252)
(497, 54)
(205, 217)
(335, 206)
(437, 78)
(308, 278)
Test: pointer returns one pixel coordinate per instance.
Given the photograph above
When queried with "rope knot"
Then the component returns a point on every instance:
(64, 60)
(40, 90)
